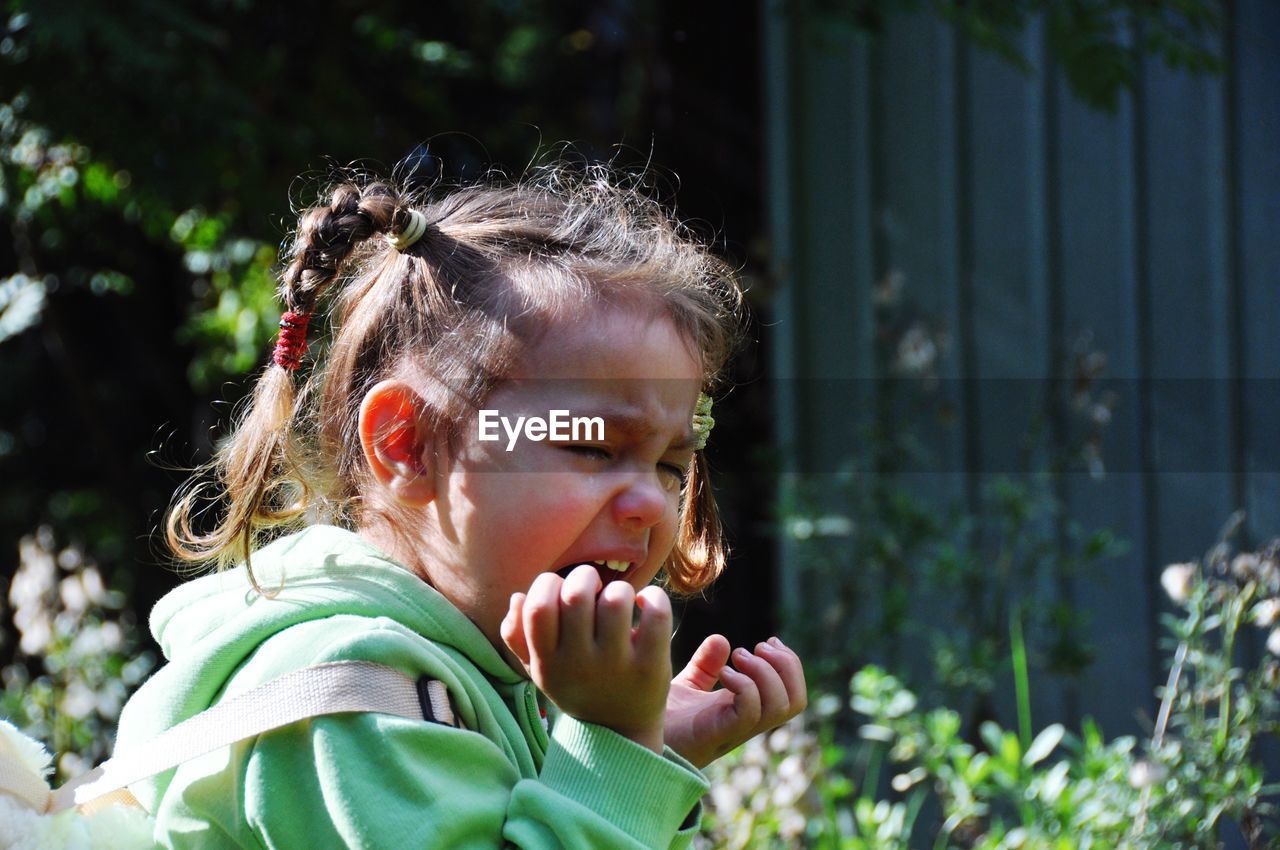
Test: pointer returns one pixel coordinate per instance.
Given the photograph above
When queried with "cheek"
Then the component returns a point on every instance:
(544, 508)
(663, 537)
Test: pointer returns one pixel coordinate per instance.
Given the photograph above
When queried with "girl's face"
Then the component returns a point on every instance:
(502, 517)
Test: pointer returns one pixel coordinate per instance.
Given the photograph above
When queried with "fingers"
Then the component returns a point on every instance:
(653, 637)
(703, 670)
(768, 686)
(613, 619)
(773, 694)
(746, 697)
(578, 609)
(542, 615)
(789, 669)
(512, 628)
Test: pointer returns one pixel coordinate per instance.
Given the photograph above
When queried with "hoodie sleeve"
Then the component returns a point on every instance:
(373, 781)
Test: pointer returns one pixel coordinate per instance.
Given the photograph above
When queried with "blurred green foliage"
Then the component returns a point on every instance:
(1194, 781)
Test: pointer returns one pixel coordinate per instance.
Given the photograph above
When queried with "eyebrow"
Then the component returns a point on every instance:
(638, 426)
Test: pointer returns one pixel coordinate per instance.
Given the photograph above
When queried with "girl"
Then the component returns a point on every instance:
(505, 568)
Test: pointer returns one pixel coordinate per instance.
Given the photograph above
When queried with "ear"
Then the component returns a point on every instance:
(397, 439)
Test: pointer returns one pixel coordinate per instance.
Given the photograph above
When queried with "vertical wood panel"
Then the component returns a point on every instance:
(780, 116)
(832, 244)
(831, 261)
(1257, 161)
(1254, 113)
(1096, 271)
(1013, 341)
(1188, 301)
(915, 206)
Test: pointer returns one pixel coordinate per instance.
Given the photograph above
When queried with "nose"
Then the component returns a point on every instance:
(641, 502)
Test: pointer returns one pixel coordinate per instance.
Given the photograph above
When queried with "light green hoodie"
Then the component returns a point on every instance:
(373, 780)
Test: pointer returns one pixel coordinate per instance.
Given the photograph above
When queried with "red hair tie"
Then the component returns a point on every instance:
(292, 342)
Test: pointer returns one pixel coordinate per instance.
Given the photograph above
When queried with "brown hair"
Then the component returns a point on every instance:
(497, 263)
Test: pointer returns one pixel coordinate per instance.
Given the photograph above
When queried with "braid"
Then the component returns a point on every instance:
(329, 232)
(259, 468)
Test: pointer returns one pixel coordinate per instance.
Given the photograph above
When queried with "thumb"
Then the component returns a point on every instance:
(703, 670)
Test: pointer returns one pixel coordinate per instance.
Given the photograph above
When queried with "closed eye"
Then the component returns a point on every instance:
(678, 472)
(589, 451)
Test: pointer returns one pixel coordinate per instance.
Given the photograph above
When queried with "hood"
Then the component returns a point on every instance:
(207, 627)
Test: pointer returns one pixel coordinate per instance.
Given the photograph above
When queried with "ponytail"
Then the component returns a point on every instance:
(249, 467)
(261, 468)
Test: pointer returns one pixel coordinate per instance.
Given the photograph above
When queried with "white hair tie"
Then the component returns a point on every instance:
(412, 232)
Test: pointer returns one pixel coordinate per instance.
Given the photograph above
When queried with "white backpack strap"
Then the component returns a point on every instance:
(332, 688)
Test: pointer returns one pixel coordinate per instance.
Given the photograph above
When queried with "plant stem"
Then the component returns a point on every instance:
(1236, 610)
(1162, 723)
(1021, 683)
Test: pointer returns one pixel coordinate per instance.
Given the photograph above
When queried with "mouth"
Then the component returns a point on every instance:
(607, 570)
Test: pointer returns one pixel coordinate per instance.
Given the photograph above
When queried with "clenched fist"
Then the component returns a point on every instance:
(581, 650)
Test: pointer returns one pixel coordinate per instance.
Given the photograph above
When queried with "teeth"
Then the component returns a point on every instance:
(616, 566)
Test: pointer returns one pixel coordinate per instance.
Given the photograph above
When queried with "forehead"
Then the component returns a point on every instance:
(616, 361)
(611, 342)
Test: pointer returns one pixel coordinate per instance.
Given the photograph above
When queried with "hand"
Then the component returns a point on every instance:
(582, 652)
(766, 690)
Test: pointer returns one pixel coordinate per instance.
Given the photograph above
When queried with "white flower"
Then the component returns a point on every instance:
(792, 825)
(36, 631)
(785, 795)
(792, 767)
(78, 700)
(725, 798)
(833, 525)
(800, 528)
(72, 764)
(1273, 642)
(70, 558)
(112, 636)
(780, 739)
(1177, 581)
(1267, 612)
(916, 351)
(111, 698)
(1245, 565)
(756, 752)
(87, 641)
(748, 778)
(827, 705)
(1145, 773)
(74, 599)
(35, 576)
(95, 588)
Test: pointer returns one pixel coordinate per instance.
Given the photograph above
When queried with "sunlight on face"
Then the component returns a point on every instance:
(548, 504)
